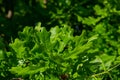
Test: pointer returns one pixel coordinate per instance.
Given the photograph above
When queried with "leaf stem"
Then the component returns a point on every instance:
(105, 71)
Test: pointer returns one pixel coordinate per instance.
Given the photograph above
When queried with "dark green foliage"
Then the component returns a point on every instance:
(80, 40)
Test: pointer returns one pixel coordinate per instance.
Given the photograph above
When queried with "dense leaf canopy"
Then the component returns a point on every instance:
(59, 39)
